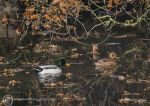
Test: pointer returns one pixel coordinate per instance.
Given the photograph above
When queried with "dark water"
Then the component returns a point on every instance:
(80, 84)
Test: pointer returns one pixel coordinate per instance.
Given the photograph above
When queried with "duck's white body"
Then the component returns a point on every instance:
(48, 69)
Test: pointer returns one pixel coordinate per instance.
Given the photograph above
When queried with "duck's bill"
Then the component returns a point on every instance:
(67, 65)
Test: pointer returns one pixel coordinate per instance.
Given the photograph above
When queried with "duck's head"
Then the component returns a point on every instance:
(113, 55)
(61, 62)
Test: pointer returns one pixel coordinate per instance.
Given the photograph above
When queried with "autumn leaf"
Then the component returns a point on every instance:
(117, 2)
(55, 2)
(56, 18)
(47, 17)
(31, 9)
(34, 17)
(62, 7)
(18, 32)
(4, 20)
(110, 3)
(46, 26)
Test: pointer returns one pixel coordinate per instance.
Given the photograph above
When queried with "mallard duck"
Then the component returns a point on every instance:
(108, 65)
(48, 72)
(52, 69)
(48, 69)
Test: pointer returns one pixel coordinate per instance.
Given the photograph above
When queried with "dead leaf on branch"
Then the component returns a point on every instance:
(55, 15)
(117, 2)
(63, 8)
(110, 3)
(47, 26)
(55, 2)
(47, 17)
(34, 17)
(113, 2)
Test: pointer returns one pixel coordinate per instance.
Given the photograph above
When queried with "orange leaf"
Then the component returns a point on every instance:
(117, 2)
(55, 2)
(34, 17)
(110, 3)
(47, 17)
(46, 26)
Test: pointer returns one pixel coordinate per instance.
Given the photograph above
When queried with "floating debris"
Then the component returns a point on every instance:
(60, 84)
(121, 78)
(14, 82)
(135, 101)
(75, 55)
(2, 87)
(74, 50)
(2, 59)
(133, 50)
(69, 75)
(112, 44)
(126, 93)
(10, 72)
(49, 48)
(139, 81)
(146, 39)
(27, 72)
(94, 51)
(72, 98)
(147, 89)
(125, 36)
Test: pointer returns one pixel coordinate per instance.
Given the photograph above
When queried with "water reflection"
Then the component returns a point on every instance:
(117, 81)
(45, 77)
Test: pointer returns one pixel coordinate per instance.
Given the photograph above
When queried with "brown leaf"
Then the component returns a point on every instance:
(117, 2)
(110, 3)
(55, 2)
(34, 17)
(47, 17)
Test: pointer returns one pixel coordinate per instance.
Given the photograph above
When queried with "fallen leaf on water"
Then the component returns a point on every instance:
(129, 100)
(53, 84)
(14, 82)
(69, 75)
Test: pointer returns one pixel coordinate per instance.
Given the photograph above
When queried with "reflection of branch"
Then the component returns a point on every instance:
(82, 26)
(94, 27)
(89, 94)
(55, 32)
(106, 94)
(24, 34)
(86, 44)
(88, 83)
